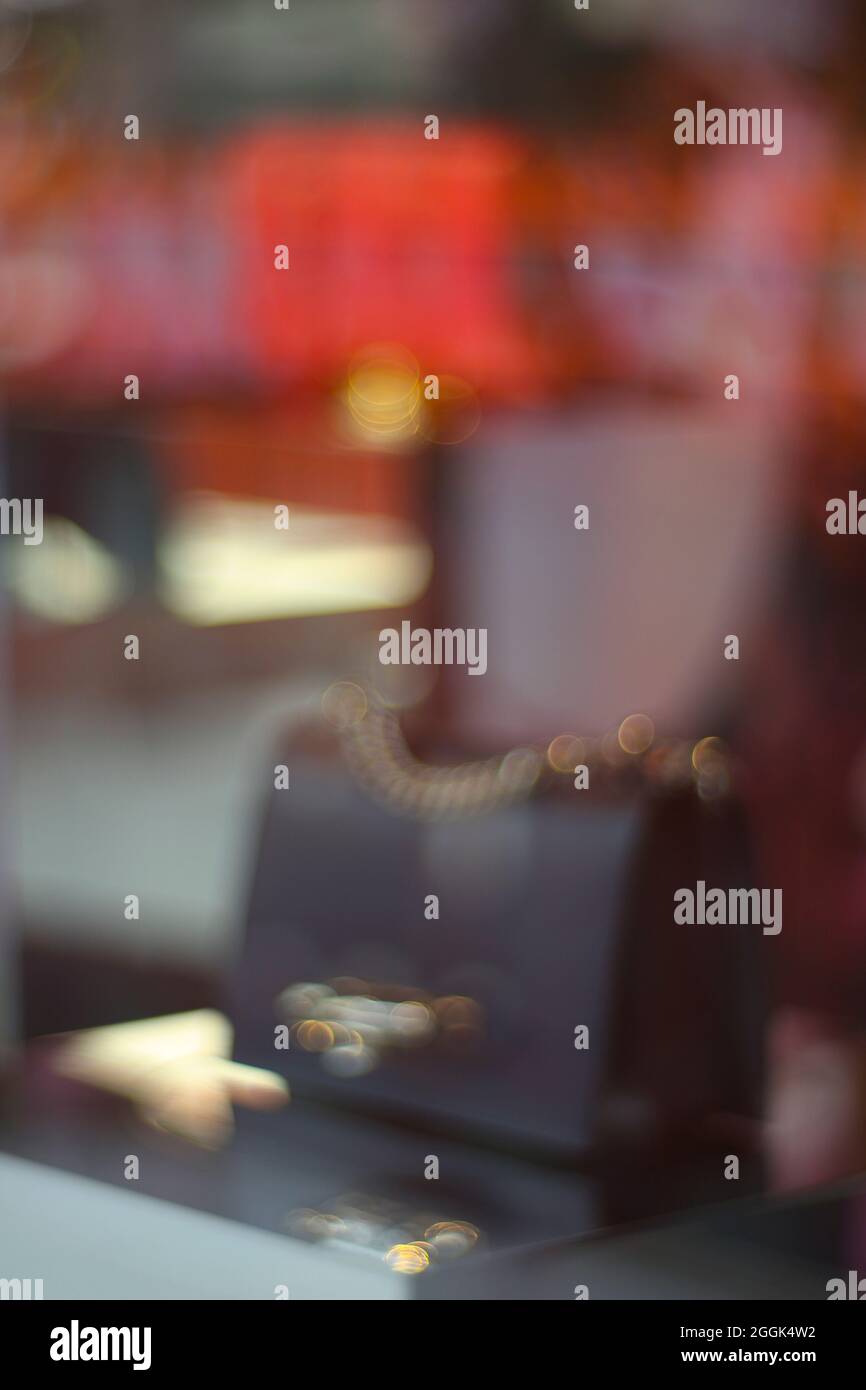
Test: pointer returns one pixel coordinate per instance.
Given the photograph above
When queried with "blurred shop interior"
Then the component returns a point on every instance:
(430, 389)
